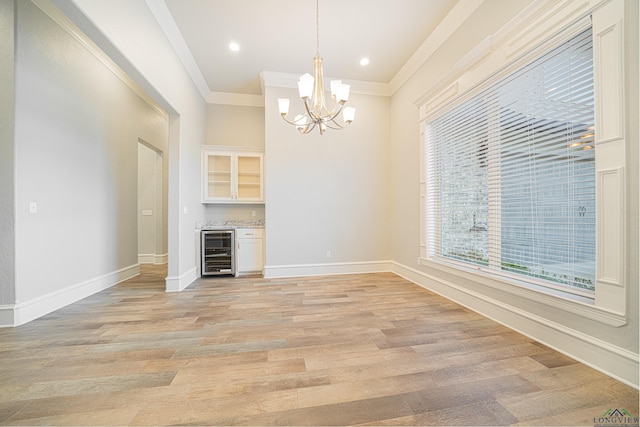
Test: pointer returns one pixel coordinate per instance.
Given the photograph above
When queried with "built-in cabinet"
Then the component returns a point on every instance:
(250, 250)
(230, 176)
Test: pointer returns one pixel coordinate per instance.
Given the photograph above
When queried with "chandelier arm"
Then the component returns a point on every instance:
(309, 127)
(333, 113)
(337, 126)
(309, 113)
(287, 120)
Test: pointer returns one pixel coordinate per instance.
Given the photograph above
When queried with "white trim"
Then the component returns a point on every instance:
(146, 258)
(155, 259)
(607, 358)
(229, 149)
(542, 295)
(611, 209)
(454, 19)
(162, 14)
(7, 315)
(23, 312)
(609, 81)
(299, 270)
(288, 80)
(544, 17)
(180, 283)
(239, 99)
(552, 14)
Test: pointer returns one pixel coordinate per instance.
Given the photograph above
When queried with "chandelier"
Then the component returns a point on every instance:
(311, 90)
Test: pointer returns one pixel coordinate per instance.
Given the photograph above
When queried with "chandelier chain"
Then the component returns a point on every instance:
(311, 90)
(317, 28)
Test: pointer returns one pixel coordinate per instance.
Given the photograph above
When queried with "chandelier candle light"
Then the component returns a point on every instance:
(311, 90)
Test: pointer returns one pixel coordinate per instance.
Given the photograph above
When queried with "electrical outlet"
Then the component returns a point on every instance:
(33, 207)
(328, 254)
(253, 213)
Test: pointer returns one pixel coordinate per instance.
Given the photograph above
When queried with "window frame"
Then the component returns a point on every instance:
(490, 88)
(520, 42)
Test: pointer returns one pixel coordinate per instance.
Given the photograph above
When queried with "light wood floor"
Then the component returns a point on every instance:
(369, 349)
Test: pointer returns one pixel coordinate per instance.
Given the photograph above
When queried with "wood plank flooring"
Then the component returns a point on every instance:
(366, 349)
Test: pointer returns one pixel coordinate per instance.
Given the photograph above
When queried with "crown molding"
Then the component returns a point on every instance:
(289, 80)
(168, 25)
(454, 19)
(531, 27)
(238, 99)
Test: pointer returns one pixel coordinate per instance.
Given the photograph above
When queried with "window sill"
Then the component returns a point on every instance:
(564, 301)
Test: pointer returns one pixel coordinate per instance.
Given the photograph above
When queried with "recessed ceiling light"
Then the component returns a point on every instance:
(234, 46)
(364, 61)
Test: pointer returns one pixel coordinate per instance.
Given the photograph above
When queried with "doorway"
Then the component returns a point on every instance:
(152, 205)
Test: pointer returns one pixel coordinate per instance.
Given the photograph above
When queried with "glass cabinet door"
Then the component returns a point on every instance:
(249, 170)
(232, 177)
(219, 176)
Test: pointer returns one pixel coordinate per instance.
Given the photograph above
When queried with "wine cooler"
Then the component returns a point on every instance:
(218, 254)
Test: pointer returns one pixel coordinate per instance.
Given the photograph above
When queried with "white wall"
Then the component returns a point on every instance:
(560, 328)
(326, 193)
(76, 138)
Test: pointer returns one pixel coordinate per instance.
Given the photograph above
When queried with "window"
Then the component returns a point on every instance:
(510, 174)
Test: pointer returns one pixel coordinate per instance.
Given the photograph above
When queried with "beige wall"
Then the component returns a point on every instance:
(330, 192)
(129, 32)
(235, 125)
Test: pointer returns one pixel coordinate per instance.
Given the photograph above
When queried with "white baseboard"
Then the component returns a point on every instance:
(180, 283)
(155, 259)
(23, 312)
(609, 359)
(161, 259)
(7, 315)
(299, 270)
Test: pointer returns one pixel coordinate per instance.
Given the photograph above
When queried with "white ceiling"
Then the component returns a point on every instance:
(280, 36)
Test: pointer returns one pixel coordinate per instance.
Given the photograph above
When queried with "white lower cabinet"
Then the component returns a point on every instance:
(249, 250)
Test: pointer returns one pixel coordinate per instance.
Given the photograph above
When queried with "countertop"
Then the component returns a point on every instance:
(228, 225)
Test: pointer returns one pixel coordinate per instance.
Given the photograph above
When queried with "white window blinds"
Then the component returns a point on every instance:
(511, 174)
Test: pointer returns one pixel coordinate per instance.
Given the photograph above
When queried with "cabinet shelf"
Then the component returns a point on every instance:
(232, 176)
